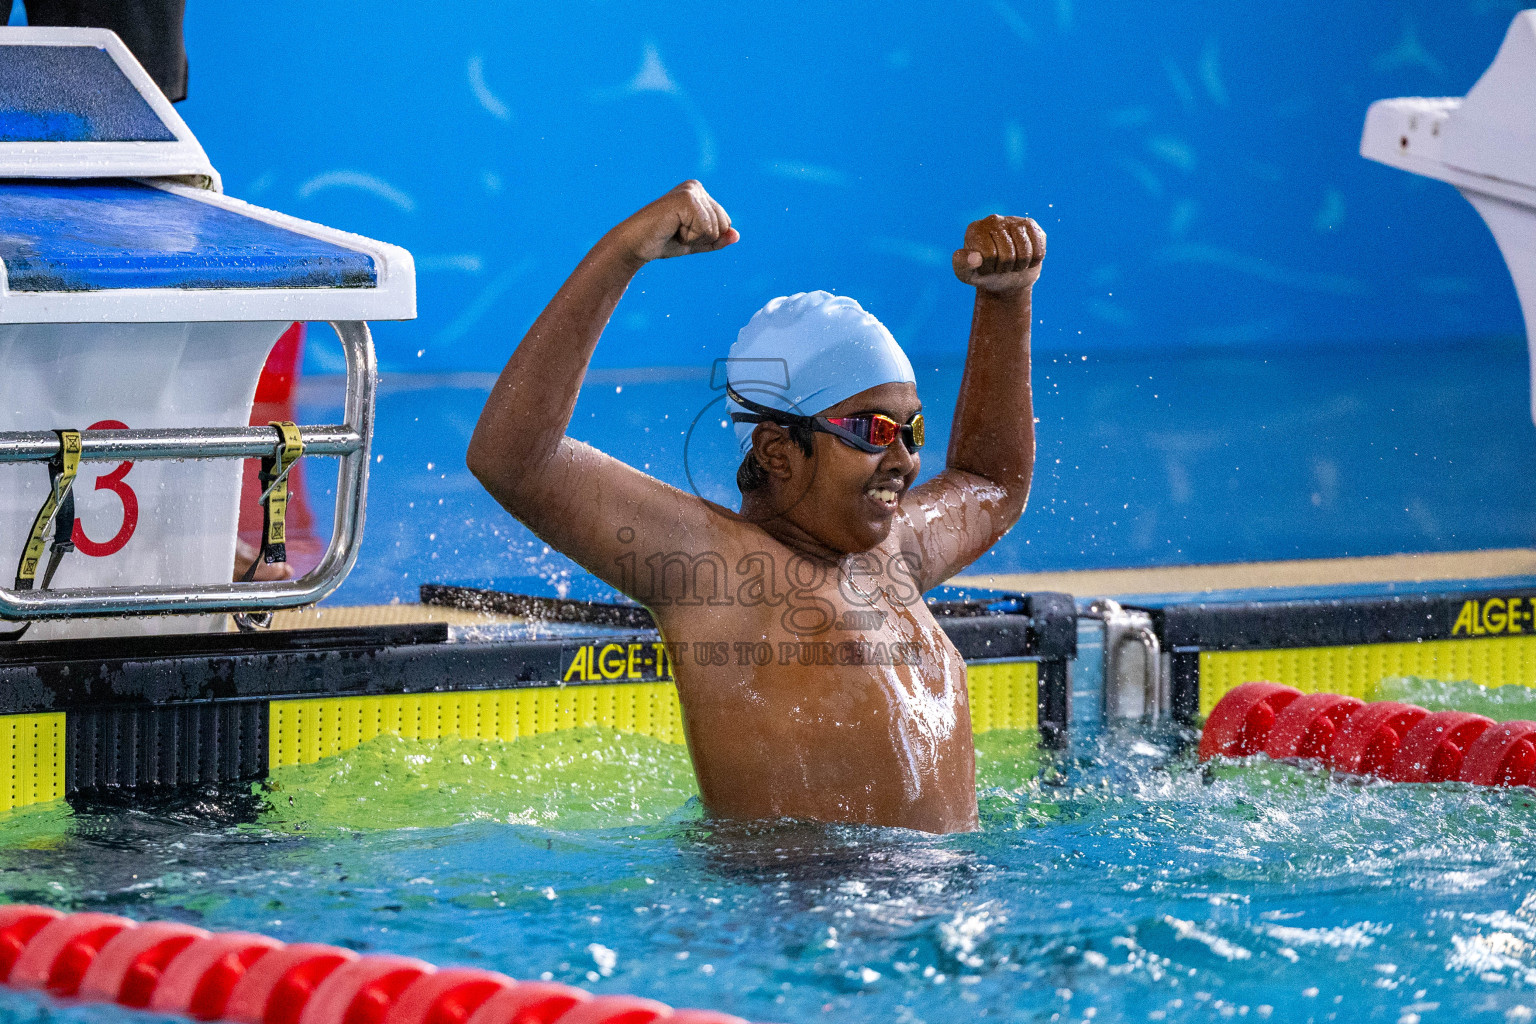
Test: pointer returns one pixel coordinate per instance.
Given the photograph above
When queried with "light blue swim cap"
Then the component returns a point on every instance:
(806, 352)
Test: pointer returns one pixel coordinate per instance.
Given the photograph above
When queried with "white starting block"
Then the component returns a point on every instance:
(138, 305)
(1485, 145)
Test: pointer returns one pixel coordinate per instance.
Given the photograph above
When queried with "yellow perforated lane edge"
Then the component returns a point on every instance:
(31, 759)
(304, 731)
(1359, 669)
(1003, 696)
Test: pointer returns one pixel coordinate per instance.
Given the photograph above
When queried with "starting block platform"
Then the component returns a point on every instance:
(138, 305)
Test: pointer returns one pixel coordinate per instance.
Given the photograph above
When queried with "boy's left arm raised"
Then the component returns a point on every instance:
(984, 485)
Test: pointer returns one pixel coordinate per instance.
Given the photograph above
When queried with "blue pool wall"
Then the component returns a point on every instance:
(1196, 164)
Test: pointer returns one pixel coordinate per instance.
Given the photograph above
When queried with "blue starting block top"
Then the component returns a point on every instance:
(111, 213)
(80, 236)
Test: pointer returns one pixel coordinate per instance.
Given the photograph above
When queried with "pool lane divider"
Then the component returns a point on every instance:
(1346, 645)
(1393, 741)
(243, 978)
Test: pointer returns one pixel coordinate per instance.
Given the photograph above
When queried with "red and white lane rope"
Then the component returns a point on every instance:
(252, 979)
(1397, 742)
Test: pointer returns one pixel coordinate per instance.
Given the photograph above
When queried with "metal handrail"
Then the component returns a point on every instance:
(349, 441)
(1122, 628)
(175, 443)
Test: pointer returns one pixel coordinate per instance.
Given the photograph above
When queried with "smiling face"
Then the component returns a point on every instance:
(843, 497)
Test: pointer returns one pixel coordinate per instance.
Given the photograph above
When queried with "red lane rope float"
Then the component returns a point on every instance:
(1308, 724)
(1398, 742)
(1240, 722)
(449, 996)
(57, 957)
(199, 981)
(251, 979)
(1433, 750)
(1370, 738)
(1504, 755)
(274, 989)
(130, 965)
(18, 924)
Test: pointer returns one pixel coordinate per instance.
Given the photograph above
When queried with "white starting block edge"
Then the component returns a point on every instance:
(393, 297)
(183, 158)
(1485, 145)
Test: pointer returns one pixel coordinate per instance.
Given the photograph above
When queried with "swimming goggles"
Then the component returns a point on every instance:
(871, 432)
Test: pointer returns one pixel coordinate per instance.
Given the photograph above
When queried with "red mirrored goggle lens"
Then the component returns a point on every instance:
(881, 430)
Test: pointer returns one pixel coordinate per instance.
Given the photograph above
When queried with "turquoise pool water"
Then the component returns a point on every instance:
(1123, 882)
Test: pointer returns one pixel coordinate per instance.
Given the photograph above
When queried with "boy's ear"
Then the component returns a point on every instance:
(772, 446)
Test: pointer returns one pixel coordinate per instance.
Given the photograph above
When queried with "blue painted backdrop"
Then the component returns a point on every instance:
(1195, 164)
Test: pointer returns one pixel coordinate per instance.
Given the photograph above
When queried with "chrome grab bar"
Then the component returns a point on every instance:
(349, 441)
(1121, 698)
(175, 443)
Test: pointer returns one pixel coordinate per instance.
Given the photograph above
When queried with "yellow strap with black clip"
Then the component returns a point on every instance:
(274, 495)
(58, 511)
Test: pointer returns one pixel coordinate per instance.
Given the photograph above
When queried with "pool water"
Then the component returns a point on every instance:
(1120, 882)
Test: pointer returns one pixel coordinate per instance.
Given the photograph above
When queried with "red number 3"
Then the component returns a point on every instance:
(113, 482)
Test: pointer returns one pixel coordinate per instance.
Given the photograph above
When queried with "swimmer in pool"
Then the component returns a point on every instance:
(814, 681)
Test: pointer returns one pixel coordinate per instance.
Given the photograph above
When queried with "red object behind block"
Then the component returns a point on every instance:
(1240, 722)
(281, 371)
(1369, 739)
(129, 966)
(275, 394)
(1308, 724)
(199, 980)
(1433, 749)
(1504, 755)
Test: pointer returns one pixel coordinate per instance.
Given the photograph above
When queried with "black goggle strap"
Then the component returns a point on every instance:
(863, 444)
(911, 433)
(764, 414)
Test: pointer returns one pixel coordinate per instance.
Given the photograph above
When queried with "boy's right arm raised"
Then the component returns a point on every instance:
(570, 494)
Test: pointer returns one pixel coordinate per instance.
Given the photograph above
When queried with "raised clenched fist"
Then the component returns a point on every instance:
(685, 220)
(1001, 254)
